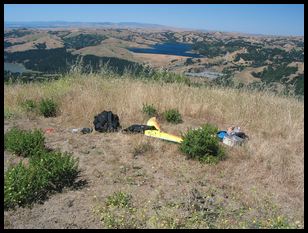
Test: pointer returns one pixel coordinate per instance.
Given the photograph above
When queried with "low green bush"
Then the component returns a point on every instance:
(149, 110)
(119, 199)
(8, 114)
(46, 172)
(173, 116)
(170, 77)
(119, 212)
(203, 144)
(29, 105)
(22, 142)
(48, 108)
(23, 185)
(62, 168)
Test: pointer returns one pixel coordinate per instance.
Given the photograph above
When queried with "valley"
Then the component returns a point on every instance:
(241, 59)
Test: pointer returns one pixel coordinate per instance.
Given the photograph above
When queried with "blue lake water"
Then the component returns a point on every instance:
(17, 68)
(179, 49)
(14, 67)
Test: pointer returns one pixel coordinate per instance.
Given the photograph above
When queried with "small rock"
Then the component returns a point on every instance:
(85, 152)
(97, 173)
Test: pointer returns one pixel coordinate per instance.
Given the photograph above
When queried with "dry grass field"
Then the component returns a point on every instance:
(258, 185)
(158, 60)
(246, 77)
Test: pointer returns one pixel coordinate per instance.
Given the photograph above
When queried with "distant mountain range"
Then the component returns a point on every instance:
(120, 25)
(60, 24)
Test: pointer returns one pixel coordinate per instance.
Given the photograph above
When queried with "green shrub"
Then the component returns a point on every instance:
(23, 185)
(22, 142)
(149, 109)
(119, 212)
(48, 108)
(173, 116)
(62, 168)
(202, 144)
(119, 199)
(170, 77)
(29, 105)
(46, 172)
(8, 114)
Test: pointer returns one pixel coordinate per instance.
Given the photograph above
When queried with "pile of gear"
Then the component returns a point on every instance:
(233, 136)
(107, 121)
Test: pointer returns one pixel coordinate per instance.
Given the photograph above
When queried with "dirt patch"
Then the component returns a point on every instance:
(107, 164)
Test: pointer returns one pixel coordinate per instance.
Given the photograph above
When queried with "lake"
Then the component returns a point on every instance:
(179, 49)
(15, 67)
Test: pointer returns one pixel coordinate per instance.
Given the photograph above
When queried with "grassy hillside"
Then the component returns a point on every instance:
(259, 185)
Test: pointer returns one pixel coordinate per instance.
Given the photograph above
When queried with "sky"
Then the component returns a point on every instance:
(273, 19)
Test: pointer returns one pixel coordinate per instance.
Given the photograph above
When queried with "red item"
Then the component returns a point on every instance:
(49, 130)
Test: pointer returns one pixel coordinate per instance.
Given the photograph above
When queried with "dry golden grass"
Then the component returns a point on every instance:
(158, 60)
(50, 42)
(270, 164)
(246, 76)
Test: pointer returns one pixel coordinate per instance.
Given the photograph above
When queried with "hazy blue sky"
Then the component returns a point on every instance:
(275, 19)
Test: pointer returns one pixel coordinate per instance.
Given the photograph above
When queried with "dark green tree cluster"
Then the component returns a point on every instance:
(220, 48)
(275, 55)
(209, 49)
(276, 74)
(44, 60)
(298, 84)
(15, 33)
(117, 65)
(83, 40)
(9, 44)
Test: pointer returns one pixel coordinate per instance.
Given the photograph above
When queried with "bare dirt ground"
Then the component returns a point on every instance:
(110, 162)
(107, 164)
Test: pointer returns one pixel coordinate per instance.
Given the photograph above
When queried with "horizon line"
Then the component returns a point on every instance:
(167, 26)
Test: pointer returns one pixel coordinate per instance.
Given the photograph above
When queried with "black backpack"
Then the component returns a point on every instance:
(106, 121)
